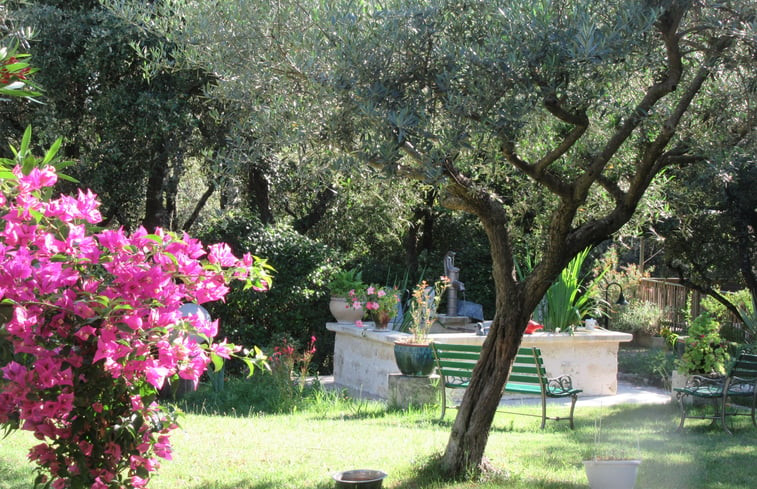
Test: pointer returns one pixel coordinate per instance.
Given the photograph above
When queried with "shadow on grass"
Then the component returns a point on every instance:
(248, 484)
(429, 474)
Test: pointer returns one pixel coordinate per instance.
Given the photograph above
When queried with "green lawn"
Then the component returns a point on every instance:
(302, 450)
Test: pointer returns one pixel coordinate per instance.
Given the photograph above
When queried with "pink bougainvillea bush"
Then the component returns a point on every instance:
(92, 328)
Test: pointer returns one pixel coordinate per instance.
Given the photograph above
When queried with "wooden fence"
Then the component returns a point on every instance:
(673, 298)
(676, 299)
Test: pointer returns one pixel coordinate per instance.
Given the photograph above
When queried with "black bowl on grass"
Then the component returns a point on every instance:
(359, 479)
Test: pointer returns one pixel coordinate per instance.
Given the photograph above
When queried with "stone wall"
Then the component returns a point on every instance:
(364, 359)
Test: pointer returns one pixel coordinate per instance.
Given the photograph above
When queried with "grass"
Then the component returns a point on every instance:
(329, 434)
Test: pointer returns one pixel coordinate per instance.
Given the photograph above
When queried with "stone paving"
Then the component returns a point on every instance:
(628, 393)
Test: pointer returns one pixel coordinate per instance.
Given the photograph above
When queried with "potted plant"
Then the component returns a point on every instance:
(571, 297)
(342, 283)
(380, 303)
(413, 355)
(705, 353)
(615, 467)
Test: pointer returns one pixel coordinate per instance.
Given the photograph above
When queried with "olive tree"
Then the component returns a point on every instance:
(579, 99)
(566, 111)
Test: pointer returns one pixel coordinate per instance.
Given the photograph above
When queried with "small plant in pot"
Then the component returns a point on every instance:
(705, 354)
(342, 283)
(413, 355)
(380, 303)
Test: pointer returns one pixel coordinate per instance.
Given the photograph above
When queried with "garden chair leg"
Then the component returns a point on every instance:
(682, 405)
(543, 410)
(444, 399)
(573, 398)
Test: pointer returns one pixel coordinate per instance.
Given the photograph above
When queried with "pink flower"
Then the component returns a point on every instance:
(221, 254)
(222, 349)
(138, 482)
(157, 376)
(15, 372)
(163, 448)
(99, 484)
(36, 179)
(136, 403)
(88, 304)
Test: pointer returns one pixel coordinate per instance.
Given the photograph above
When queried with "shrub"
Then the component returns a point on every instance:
(705, 351)
(638, 316)
(654, 366)
(732, 328)
(296, 307)
(283, 391)
(96, 328)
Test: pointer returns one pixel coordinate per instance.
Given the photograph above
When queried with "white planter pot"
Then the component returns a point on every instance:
(612, 474)
(343, 312)
(678, 380)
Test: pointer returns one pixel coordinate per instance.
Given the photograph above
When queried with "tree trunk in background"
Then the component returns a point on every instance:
(258, 193)
(420, 233)
(317, 210)
(156, 214)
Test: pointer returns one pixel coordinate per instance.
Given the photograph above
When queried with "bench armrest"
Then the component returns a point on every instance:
(704, 381)
(560, 385)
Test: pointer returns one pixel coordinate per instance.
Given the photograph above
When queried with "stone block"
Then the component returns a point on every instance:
(406, 390)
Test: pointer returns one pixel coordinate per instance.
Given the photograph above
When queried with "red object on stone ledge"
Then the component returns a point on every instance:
(533, 326)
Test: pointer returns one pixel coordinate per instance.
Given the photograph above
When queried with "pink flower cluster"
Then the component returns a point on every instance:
(95, 330)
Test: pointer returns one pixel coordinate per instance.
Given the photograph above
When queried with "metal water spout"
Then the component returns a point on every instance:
(452, 272)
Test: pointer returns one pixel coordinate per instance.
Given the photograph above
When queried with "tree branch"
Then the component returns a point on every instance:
(199, 206)
(707, 290)
(667, 26)
(578, 119)
(652, 161)
(552, 182)
(317, 210)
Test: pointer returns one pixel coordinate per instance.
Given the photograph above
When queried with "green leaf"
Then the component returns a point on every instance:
(38, 216)
(26, 141)
(52, 151)
(217, 362)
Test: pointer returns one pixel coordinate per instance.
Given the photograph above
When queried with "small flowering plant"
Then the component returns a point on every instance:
(287, 362)
(424, 303)
(92, 328)
(14, 74)
(380, 303)
(705, 352)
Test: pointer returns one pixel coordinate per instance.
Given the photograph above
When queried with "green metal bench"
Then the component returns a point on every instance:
(738, 383)
(455, 365)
